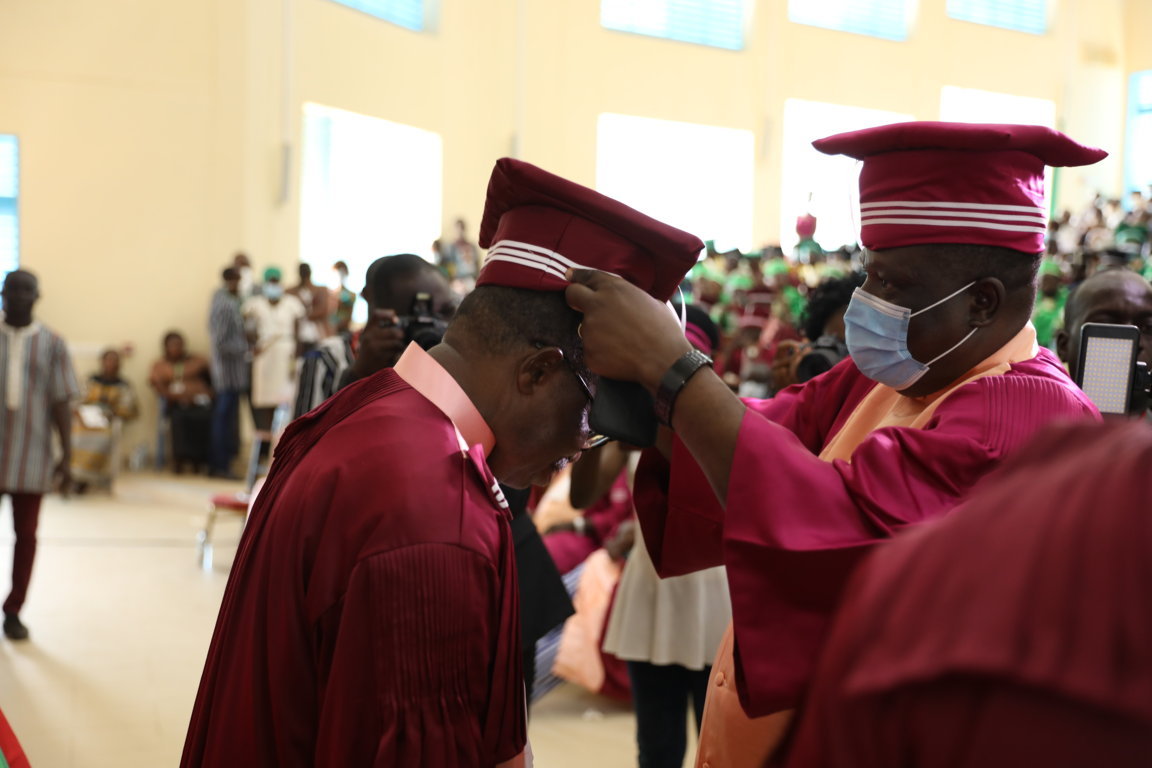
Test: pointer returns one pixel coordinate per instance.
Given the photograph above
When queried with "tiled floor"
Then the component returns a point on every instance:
(121, 617)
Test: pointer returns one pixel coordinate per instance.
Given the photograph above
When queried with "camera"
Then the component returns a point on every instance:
(1108, 371)
(421, 325)
(820, 356)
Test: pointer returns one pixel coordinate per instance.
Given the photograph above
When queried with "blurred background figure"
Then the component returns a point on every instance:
(184, 384)
(231, 370)
(342, 301)
(314, 326)
(108, 403)
(39, 386)
(272, 320)
(822, 323)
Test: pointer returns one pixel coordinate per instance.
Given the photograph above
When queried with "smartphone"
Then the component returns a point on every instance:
(1107, 365)
(624, 411)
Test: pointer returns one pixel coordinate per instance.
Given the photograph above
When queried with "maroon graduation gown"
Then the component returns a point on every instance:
(794, 526)
(1016, 632)
(371, 615)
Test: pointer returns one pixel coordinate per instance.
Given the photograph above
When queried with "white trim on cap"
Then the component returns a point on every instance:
(957, 204)
(537, 249)
(1033, 219)
(533, 256)
(494, 256)
(955, 223)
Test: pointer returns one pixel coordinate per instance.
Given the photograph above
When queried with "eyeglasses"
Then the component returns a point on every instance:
(592, 440)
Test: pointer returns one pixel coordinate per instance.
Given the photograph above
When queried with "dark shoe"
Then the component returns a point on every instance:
(14, 629)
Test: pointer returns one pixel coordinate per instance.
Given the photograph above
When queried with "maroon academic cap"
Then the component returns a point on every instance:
(536, 225)
(971, 183)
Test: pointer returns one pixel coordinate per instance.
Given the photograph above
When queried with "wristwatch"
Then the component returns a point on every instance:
(674, 381)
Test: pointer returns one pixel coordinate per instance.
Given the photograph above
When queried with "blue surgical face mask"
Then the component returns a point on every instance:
(876, 332)
(273, 291)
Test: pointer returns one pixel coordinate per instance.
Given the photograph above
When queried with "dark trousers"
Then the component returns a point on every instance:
(25, 516)
(225, 430)
(662, 694)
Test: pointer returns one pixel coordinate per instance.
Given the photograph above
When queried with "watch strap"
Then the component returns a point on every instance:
(674, 381)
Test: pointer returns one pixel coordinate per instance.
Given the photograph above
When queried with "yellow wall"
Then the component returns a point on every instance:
(152, 132)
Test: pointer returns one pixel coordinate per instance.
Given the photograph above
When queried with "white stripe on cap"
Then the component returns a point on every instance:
(543, 267)
(1033, 219)
(958, 224)
(956, 204)
(516, 244)
(532, 256)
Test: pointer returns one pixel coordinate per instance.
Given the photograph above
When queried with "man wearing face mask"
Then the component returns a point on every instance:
(273, 322)
(945, 378)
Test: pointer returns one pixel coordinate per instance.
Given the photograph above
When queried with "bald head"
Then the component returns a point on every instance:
(1113, 296)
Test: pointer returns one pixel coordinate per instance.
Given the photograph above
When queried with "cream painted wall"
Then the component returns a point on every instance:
(152, 133)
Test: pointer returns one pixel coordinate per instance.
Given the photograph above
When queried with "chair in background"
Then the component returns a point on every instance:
(239, 503)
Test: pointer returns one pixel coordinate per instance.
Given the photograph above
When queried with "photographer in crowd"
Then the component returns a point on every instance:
(395, 317)
(944, 380)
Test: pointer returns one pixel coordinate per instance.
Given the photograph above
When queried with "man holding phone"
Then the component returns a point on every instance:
(945, 379)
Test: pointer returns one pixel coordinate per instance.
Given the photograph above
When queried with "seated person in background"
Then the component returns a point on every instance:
(391, 285)
(572, 533)
(183, 382)
(108, 402)
(1115, 296)
(1016, 632)
(823, 325)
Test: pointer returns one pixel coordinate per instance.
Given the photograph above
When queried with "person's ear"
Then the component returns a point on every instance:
(987, 297)
(538, 369)
(1062, 340)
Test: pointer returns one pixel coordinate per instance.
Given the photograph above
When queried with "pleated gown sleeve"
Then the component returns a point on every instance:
(371, 617)
(1016, 632)
(412, 672)
(794, 526)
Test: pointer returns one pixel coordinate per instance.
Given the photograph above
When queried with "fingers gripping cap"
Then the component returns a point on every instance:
(536, 225)
(970, 183)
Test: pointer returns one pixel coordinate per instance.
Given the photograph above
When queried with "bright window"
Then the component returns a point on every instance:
(888, 19)
(827, 186)
(970, 105)
(719, 23)
(1138, 153)
(695, 177)
(9, 210)
(370, 188)
(405, 13)
(1019, 15)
